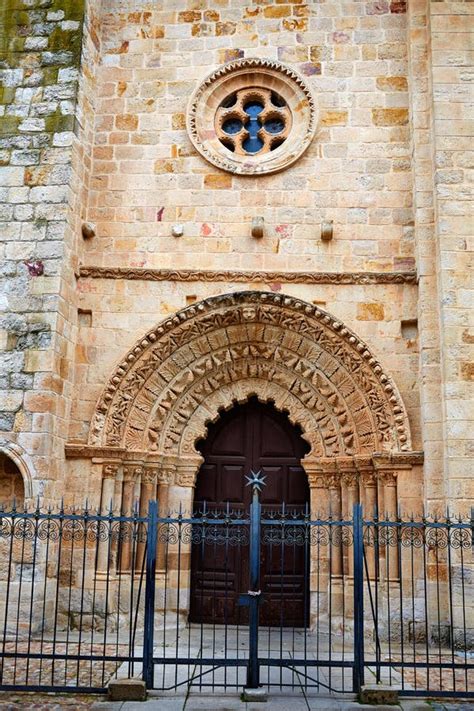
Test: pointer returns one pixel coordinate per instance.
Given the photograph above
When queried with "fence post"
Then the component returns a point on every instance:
(149, 621)
(358, 551)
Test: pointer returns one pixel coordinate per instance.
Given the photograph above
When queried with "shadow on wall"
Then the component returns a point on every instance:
(12, 487)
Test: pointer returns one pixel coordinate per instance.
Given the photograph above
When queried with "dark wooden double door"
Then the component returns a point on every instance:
(251, 436)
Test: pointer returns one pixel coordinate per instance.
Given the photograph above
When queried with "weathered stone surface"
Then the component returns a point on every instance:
(127, 690)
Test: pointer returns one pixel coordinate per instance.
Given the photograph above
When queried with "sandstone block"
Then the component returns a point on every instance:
(127, 690)
(370, 312)
(390, 117)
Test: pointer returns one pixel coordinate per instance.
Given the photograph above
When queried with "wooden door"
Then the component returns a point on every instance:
(251, 436)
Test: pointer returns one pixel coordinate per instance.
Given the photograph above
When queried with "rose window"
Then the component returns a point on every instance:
(252, 116)
(253, 121)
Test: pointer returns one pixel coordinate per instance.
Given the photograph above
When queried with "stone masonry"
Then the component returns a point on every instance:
(98, 171)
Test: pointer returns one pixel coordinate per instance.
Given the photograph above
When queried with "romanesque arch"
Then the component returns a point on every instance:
(183, 373)
(223, 349)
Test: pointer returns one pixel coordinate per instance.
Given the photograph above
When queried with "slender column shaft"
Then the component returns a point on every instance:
(370, 490)
(107, 501)
(351, 496)
(335, 506)
(165, 480)
(147, 492)
(390, 492)
(128, 500)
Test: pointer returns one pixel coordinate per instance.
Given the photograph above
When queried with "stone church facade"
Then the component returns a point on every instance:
(204, 202)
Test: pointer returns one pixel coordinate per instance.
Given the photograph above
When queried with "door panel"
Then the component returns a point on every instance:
(251, 436)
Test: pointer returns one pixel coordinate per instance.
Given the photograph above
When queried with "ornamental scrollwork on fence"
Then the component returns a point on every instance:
(286, 535)
(461, 538)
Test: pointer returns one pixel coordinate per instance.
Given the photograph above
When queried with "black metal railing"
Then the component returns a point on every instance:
(420, 596)
(223, 599)
(69, 620)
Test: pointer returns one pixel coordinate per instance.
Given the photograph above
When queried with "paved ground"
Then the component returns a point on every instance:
(216, 702)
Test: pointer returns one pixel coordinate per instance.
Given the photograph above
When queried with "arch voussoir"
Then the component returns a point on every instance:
(226, 348)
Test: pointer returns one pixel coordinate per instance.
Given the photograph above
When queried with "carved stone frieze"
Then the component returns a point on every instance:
(221, 350)
(243, 277)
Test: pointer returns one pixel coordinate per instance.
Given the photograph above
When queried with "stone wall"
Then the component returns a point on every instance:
(452, 41)
(146, 176)
(389, 165)
(40, 45)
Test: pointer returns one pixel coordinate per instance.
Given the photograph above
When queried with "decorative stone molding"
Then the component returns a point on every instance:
(207, 111)
(224, 349)
(231, 275)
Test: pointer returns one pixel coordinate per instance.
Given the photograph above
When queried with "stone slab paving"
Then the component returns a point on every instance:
(216, 702)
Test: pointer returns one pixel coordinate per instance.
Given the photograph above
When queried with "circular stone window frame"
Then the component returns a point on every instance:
(248, 74)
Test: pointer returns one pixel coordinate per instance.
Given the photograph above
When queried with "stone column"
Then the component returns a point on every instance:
(389, 481)
(369, 483)
(130, 477)
(147, 492)
(166, 479)
(334, 484)
(181, 495)
(318, 489)
(104, 548)
(350, 490)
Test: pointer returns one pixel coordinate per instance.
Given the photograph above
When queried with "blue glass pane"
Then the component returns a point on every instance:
(253, 108)
(274, 125)
(233, 125)
(252, 144)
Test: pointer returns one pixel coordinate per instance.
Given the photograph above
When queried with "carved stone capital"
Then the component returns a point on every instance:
(389, 478)
(317, 480)
(369, 479)
(132, 473)
(186, 478)
(110, 470)
(333, 481)
(149, 475)
(350, 480)
(166, 477)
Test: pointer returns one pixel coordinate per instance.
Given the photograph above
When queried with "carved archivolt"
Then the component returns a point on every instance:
(226, 348)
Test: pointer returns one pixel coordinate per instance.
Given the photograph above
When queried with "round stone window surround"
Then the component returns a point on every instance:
(207, 108)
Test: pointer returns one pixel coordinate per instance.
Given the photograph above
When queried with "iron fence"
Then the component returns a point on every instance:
(224, 598)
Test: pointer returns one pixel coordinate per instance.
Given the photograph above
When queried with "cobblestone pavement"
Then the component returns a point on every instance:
(56, 702)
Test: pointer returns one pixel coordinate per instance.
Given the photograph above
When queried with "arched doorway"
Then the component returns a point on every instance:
(250, 436)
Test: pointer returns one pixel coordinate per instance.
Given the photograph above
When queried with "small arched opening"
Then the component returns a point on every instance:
(12, 487)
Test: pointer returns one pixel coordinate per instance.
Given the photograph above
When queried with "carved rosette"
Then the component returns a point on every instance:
(162, 396)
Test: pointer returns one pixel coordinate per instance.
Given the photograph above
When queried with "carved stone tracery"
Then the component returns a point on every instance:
(226, 348)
